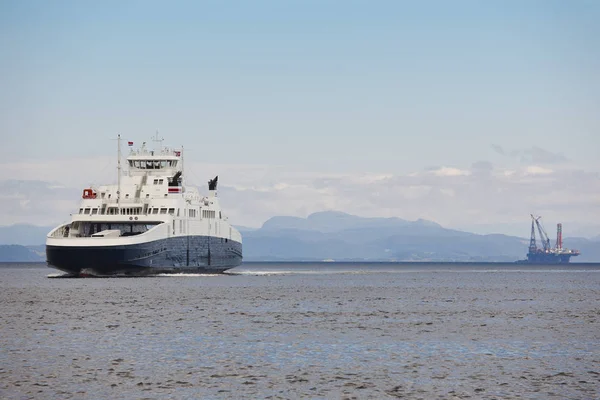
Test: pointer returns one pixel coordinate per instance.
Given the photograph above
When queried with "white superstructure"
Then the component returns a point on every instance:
(150, 203)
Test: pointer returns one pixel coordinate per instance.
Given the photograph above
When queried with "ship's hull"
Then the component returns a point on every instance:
(201, 254)
(546, 258)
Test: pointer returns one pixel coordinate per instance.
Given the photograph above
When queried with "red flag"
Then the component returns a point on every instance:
(130, 143)
(177, 153)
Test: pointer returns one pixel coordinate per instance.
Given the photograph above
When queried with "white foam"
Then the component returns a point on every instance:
(58, 275)
(187, 275)
(300, 272)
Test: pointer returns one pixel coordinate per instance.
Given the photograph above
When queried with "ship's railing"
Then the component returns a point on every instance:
(60, 231)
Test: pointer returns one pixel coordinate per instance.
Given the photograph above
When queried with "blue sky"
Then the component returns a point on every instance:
(323, 87)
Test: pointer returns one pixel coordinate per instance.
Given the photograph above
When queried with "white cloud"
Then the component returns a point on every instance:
(537, 170)
(448, 171)
(251, 194)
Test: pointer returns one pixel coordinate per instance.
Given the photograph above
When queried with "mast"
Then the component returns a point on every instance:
(118, 170)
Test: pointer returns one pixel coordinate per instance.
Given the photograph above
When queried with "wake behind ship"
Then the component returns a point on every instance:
(150, 222)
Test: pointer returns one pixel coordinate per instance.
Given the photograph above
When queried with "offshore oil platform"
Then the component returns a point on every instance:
(547, 254)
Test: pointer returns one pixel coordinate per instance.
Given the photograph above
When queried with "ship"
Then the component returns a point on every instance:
(547, 254)
(150, 222)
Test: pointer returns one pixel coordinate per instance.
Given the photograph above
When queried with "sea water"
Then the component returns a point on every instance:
(304, 330)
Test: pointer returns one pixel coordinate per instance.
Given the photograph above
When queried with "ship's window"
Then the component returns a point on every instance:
(136, 163)
(81, 211)
(219, 214)
(102, 195)
(156, 181)
(156, 164)
(225, 240)
(173, 227)
(178, 212)
(163, 210)
(127, 195)
(161, 181)
(94, 211)
(155, 211)
(149, 165)
(172, 211)
(174, 163)
(165, 194)
(86, 211)
(163, 164)
(147, 195)
(109, 195)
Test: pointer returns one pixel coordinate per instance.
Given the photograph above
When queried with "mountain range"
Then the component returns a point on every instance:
(333, 235)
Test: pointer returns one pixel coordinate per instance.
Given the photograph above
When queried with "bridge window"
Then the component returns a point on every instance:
(94, 211)
(172, 211)
(163, 210)
(155, 211)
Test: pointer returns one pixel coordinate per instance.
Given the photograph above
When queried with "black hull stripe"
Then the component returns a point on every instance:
(177, 254)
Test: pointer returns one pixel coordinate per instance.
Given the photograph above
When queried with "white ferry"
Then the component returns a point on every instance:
(150, 222)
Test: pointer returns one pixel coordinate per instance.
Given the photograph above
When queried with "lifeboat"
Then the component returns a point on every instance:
(89, 194)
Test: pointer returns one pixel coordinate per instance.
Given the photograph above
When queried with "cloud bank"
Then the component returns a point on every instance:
(482, 194)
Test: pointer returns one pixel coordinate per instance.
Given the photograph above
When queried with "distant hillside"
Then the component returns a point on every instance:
(17, 253)
(23, 234)
(342, 237)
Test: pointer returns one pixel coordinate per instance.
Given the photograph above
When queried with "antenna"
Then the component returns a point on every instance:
(118, 169)
(158, 140)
